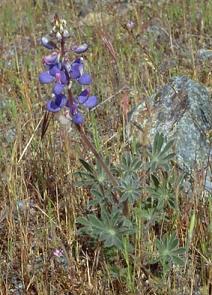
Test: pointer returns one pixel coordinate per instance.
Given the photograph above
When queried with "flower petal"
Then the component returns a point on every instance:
(90, 102)
(80, 49)
(51, 59)
(60, 100)
(78, 118)
(75, 70)
(46, 78)
(52, 107)
(48, 44)
(58, 88)
(85, 79)
(83, 96)
(63, 77)
(53, 70)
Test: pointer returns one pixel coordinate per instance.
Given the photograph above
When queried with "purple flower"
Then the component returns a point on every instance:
(76, 68)
(78, 118)
(77, 72)
(80, 49)
(51, 62)
(56, 73)
(84, 79)
(85, 100)
(57, 103)
(51, 59)
(46, 78)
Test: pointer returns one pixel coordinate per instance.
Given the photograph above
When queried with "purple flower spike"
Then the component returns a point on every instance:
(85, 79)
(80, 49)
(90, 102)
(45, 78)
(78, 118)
(58, 88)
(48, 44)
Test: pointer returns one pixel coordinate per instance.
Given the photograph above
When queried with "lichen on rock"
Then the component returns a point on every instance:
(181, 110)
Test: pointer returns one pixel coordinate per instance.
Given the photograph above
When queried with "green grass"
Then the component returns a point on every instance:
(40, 174)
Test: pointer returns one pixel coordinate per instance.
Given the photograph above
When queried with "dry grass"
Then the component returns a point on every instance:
(39, 200)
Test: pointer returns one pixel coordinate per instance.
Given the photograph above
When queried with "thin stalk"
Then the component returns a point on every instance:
(88, 144)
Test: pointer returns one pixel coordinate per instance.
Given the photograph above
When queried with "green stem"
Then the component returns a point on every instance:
(87, 143)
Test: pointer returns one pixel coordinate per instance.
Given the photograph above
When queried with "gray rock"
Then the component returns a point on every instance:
(10, 135)
(204, 54)
(182, 110)
(158, 33)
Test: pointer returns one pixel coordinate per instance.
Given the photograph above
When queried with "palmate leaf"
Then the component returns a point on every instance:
(130, 189)
(94, 177)
(110, 228)
(162, 192)
(160, 156)
(129, 165)
(169, 252)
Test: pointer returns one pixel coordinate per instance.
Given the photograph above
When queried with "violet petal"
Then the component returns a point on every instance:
(60, 100)
(63, 77)
(83, 96)
(46, 78)
(52, 107)
(51, 59)
(78, 118)
(81, 48)
(85, 79)
(75, 71)
(58, 88)
(90, 102)
(54, 70)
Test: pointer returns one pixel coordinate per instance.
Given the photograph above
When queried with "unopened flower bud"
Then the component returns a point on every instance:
(61, 29)
(57, 23)
(58, 36)
(63, 22)
(66, 33)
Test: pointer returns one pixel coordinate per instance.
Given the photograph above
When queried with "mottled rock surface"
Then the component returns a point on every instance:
(204, 54)
(182, 109)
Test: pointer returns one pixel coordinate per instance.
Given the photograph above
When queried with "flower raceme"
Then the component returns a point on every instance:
(60, 72)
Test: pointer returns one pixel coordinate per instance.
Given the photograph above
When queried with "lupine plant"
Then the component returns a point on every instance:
(116, 203)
